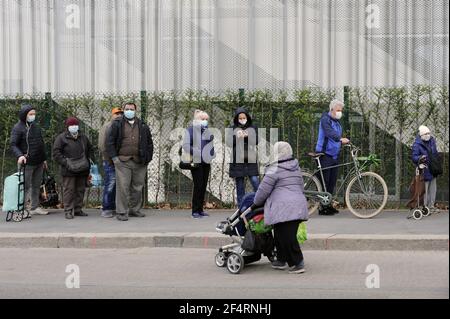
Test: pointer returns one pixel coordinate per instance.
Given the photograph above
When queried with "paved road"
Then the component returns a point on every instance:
(191, 273)
(389, 222)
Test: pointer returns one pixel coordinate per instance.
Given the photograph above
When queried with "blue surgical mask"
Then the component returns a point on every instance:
(73, 129)
(31, 118)
(129, 114)
(204, 123)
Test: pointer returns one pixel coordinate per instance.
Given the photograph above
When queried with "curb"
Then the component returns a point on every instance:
(214, 240)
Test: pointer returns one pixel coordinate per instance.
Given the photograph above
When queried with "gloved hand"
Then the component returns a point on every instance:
(423, 159)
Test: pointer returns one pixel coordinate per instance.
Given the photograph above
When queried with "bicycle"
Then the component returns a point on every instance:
(366, 193)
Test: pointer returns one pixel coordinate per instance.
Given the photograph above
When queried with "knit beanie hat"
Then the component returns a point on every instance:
(423, 130)
(72, 121)
(282, 151)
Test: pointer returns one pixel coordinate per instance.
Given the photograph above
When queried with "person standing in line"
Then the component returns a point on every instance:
(130, 146)
(27, 144)
(109, 190)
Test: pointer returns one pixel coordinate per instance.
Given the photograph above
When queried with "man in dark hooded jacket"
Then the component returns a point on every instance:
(243, 138)
(28, 147)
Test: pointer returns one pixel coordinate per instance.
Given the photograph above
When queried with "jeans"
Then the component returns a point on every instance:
(109, 190)
(240, 186)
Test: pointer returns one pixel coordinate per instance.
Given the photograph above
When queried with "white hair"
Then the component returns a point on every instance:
(335, 103)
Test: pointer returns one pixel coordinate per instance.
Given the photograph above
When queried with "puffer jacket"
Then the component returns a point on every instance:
(26, 139)
(329, 139)
(421, 147)
(281, 192)
(249, 151)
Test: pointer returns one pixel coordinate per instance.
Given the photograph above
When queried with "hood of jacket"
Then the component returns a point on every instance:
(238, 111)
(24, 111)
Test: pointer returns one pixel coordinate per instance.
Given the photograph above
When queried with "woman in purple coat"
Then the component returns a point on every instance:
(285, 206)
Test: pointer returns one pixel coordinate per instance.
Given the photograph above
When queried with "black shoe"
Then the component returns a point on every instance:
(122, 217)
(136, 214)
(69, 215)
(326, 212)
(81, 213)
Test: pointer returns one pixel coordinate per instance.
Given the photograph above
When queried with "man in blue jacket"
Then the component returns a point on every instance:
(329, 142)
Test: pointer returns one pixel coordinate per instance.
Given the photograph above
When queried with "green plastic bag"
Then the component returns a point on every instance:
(301, 233)
(259, 227)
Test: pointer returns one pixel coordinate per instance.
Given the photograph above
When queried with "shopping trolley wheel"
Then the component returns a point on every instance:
(417, 214)
(426, 211)
(17, 216)
(235, 263)
(220, 259)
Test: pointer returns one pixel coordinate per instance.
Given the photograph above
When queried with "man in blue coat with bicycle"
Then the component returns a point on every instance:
(329, 143)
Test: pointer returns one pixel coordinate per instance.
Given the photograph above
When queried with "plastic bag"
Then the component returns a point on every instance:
(95, 179)
(259, 227)
(301, 233)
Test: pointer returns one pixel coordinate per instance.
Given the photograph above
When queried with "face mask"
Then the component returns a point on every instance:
(204, 123)
(338, 115)
(242, 122)
(426, 137)
(31, 118)
(129, 114)
(73, 129)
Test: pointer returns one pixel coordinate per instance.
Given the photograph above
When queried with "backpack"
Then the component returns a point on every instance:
(435, 164)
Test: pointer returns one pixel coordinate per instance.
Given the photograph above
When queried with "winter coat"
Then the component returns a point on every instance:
(330, 133)
(115, 137)
(281, 192)
(26, 139)
(66, 146)
(197, 151)
(243, 168)
(421, 147)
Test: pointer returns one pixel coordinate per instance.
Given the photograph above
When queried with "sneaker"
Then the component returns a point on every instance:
(204, 214)
(122, 217)
(107, 214)
(69, 215)
(279, 265)
(299, 269)
(197, 215)
(136, 214)
(38, 211)
(81, 213)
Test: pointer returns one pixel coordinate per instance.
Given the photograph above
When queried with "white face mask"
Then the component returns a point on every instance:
(31, 118)
(73, 129)
(426, 137)
(338, 115)
(242, 122)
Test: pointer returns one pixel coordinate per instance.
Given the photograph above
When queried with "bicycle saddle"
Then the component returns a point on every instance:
(315, 155)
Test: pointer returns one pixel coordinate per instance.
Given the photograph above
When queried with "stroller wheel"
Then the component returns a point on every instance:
(235, 263)
(426, 211)
(417, 214)
(220, 259)
(17, 216)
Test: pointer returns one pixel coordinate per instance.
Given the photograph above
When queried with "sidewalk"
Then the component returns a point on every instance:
(175, 228)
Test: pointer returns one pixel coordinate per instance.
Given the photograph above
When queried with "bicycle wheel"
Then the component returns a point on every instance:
(311, 183)
(366, 197)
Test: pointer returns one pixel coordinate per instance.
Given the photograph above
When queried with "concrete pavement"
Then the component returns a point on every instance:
(175, 228)
(191, 273)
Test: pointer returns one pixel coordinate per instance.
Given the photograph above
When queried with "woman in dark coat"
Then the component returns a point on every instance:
(423, 147)
(243, 141)
(72, 144)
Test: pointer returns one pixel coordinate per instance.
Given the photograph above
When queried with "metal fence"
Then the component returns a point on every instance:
(382, 121)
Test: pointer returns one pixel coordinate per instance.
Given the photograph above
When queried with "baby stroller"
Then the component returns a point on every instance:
(246, 219)
(419, 194)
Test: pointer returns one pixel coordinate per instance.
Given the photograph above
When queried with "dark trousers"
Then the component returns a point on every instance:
(329, 175)
(200, 176)
(73, 195)
(286, 243)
